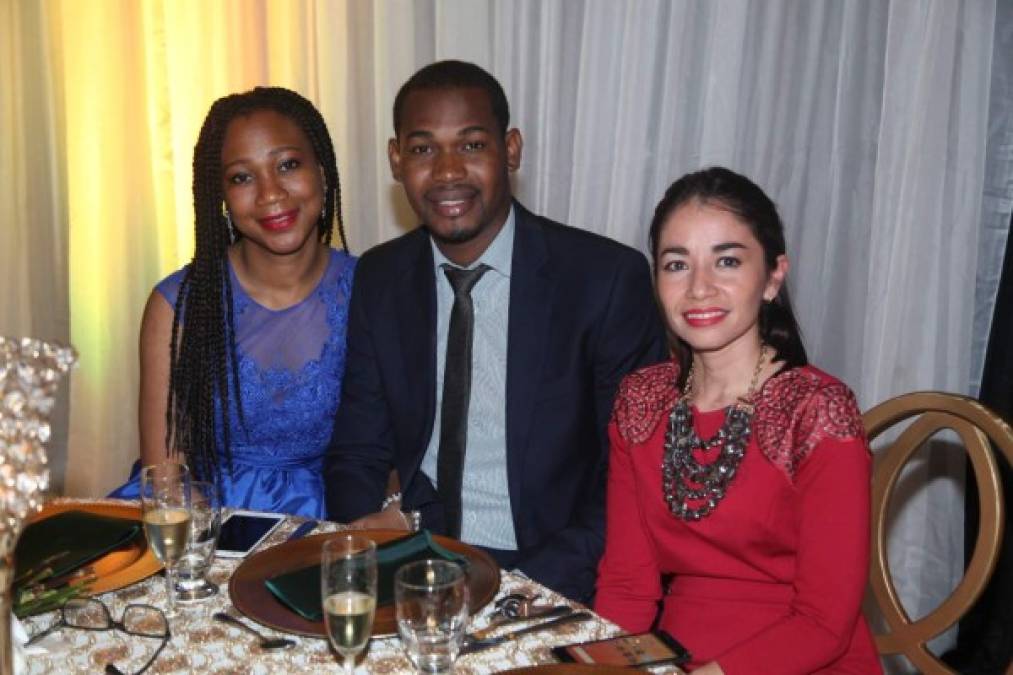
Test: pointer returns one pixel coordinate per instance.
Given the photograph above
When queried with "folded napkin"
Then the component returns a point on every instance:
(300, 590)
(70, 540)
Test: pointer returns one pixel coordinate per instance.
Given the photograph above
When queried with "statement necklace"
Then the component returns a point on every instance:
(693, 489)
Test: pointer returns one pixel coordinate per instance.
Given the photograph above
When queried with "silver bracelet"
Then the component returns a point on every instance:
(413, 519)
(390, 499)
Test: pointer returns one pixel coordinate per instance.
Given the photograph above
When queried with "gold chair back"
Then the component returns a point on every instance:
(976, 426)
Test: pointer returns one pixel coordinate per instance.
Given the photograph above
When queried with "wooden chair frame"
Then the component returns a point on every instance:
(976, 426)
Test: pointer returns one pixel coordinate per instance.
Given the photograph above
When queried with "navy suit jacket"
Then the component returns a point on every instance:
(582, 315)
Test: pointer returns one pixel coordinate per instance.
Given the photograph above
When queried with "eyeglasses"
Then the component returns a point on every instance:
(92, 614)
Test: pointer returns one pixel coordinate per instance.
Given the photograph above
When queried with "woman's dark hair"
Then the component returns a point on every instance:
(203, 349)
(723, 188)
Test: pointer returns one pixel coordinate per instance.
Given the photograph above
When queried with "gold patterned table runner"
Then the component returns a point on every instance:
(200, 644)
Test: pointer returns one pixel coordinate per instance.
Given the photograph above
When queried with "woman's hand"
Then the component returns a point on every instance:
(388, 519)
(711, 668)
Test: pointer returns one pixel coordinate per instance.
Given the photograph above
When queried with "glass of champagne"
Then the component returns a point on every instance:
(165, 505)
(348, 589)
(431, 603)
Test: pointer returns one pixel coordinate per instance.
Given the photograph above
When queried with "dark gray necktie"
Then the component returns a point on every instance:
(456, 394)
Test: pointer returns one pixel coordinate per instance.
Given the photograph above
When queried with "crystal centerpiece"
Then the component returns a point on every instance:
(30, 372)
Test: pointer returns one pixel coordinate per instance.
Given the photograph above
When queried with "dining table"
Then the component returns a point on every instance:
(199, 643)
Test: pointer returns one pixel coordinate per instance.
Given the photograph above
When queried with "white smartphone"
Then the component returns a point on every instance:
(243, 531)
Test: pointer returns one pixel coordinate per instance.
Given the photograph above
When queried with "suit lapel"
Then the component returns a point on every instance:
(416, 317)
(531, 299)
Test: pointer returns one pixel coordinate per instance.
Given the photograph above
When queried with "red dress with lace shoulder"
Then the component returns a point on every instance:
(773, 579)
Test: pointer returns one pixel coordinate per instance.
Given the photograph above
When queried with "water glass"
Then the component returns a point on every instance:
(205, 523)
(348, 589)
(431, 603)
(165, 508)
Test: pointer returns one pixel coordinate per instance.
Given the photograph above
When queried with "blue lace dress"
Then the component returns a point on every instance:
(290, 366)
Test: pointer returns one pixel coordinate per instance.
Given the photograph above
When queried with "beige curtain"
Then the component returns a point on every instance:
(34, 298)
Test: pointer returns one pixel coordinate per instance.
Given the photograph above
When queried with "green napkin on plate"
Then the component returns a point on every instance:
(299, 590)
(70, 540)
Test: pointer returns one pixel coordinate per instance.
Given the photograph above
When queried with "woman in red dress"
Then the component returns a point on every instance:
(739, 474)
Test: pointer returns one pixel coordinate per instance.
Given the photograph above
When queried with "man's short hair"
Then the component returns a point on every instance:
(454, 75)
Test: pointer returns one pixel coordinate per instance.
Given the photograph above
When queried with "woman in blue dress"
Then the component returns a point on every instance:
(243, 349)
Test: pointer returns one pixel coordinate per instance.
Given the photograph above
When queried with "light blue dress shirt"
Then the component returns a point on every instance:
(486, 518)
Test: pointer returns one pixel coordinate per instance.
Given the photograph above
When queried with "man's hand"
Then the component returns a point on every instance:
(390, 518)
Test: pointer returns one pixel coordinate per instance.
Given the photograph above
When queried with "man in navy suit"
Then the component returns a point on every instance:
(556, 317)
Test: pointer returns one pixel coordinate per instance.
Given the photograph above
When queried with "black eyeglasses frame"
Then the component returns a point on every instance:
(112, 624)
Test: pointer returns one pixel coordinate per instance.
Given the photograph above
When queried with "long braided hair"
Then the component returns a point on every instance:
(203, 376)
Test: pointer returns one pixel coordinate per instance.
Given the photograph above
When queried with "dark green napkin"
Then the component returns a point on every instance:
(300, 590)
(73, 539)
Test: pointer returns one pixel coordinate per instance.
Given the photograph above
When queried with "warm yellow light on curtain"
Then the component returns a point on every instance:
(110, 205)
(137, 80)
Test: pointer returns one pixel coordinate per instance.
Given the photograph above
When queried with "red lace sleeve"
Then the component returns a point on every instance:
(796, 410)
(645, 397)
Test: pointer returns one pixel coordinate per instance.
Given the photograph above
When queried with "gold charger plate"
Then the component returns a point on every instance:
(250, 595)
(121, 567)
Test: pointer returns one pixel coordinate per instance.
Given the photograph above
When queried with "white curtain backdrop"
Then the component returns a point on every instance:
(865, 121)
(997, 204)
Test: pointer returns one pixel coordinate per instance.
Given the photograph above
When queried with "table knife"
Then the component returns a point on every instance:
(536, 614)
(479, 645)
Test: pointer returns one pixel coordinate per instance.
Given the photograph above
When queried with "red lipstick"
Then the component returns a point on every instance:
(279, 221)
(705, 316)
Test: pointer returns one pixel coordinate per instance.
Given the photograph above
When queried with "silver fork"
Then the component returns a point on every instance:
(265, 643)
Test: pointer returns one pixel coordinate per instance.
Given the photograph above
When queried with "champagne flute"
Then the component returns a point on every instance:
(165, 505)
(348, 589)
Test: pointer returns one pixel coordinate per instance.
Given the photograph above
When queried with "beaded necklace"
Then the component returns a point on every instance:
(694, 489)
